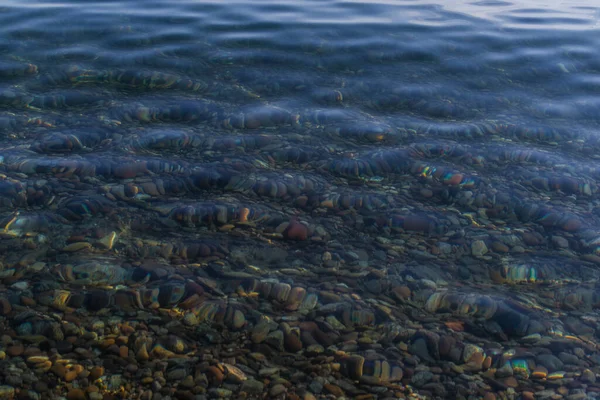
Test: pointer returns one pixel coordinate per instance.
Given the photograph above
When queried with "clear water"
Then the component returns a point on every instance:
(418, 169)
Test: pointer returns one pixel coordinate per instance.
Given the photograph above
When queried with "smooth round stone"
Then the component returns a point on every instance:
(588, 376)
(333, 389)
(15, 350)
(292, 342)
(550, 361)
(277, 390)
(76, 394)
(499, 247)
(568, 358)
(252, 386)
(560, 242)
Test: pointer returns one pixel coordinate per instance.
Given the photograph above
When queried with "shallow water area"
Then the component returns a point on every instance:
(313, 199)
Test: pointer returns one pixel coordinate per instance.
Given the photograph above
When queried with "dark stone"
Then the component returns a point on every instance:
(421, 378)
(551, 362)
(419, 348)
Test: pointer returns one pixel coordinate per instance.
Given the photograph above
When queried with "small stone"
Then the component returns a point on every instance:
(489, 396)
(70, 375)
(528, 395)
(59, 370)
(215, 373)
(252, 386)
(15, 350)
(108, 241)
(188, 382)
(421, 378)
(511, 381)
(260, 331)
(124, 351)
(5, 307)
(176, 374)
(96, 373)
(20, 285)
(276, 339)
(76, 394)
(142, 354)
(296, 231)
(292, 342)
(577, 396)
(73, 247)
(588, 376)
(560, 242)
(268, 372)
(419, 348)
(540, 372)
(315, 386)
(447, 343)
(277, 390)
(478, 248)
(550, 361)
(333, 389)
(504, 371)
(500, 247)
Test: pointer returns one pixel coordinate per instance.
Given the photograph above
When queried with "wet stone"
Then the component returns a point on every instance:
(421, 378)
(550, 361)
(478, 248)
(252, 386)
(277, 390)
(588, 376)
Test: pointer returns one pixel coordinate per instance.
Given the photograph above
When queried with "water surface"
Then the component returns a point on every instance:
(394, 196)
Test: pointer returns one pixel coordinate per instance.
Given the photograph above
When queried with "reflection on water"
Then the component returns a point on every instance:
(319, 198)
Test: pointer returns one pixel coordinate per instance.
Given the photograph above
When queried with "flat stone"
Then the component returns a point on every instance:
(277, 390)
(540, 372)
(333, 389)
(268, 372)
(252, 386)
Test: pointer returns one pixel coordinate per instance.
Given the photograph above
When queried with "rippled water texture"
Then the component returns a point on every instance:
(298, 199)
